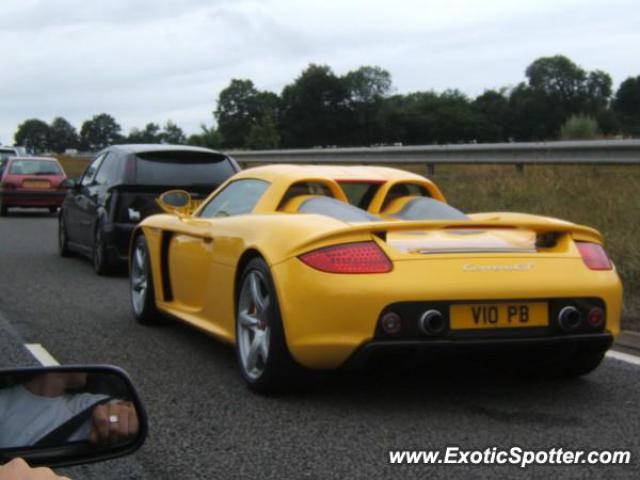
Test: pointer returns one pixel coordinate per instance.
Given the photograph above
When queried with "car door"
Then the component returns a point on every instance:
(197, 252)
(77, 208)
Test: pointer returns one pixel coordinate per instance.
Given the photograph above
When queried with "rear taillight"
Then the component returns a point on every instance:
(594, 256)
(361, 257)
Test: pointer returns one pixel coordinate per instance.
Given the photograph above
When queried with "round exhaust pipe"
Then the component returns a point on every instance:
(432, 322)
(569, 318)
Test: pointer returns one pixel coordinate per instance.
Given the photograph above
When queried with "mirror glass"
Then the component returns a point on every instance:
(76, 412)
(68, 183)
(176, 201)
(176, 198)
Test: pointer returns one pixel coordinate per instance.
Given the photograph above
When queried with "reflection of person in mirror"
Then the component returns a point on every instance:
(43, 411)
(18, 469)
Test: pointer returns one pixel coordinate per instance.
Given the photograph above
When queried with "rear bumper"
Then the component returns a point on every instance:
(417, 350)
(32, 198)
(328, 317)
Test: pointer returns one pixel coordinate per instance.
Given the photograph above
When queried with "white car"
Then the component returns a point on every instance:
(7, 151)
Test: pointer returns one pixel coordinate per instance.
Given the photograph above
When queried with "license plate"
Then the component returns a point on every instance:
(499, 315)
(36, 184)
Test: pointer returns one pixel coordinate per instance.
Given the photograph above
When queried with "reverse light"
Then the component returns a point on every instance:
(134, 215)
(594, 256)
(360, 257)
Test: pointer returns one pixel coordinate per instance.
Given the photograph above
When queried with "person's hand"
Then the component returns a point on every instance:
(113, 423)
(18, 469)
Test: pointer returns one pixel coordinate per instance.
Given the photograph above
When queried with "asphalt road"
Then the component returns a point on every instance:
(204, 423)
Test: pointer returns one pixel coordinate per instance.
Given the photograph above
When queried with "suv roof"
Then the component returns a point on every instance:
(159, 147)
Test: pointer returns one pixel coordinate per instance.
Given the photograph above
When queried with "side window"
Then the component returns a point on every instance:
(237, 198)
(90, 173)
(108, 170)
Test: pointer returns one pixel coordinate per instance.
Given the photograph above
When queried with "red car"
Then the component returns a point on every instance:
(31, 182)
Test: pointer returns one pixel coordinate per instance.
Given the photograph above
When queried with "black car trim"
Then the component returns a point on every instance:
(592, 342)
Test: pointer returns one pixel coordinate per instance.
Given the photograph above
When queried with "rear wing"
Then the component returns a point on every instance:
(546, 229)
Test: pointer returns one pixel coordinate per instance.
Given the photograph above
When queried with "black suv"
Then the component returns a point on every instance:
(119, 189)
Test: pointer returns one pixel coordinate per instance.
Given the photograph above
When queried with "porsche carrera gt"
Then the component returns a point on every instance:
(318, 267)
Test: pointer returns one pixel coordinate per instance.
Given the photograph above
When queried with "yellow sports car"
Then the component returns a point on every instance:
(316, 267)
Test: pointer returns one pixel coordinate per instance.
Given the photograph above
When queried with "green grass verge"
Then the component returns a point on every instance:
(606, 198)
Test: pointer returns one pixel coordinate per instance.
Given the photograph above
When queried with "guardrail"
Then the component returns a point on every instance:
(593, 152)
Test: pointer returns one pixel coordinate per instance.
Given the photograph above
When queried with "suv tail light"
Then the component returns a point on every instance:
(361, 257)
(594, 256)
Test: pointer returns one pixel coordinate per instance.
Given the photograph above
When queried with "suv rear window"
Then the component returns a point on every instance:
(182, 169)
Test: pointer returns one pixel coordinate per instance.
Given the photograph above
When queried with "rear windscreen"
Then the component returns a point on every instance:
(182, 168)
(35, 167)
(360, 194)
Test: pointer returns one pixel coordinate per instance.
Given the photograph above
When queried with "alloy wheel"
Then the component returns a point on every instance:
(139, 279)
(253, 331)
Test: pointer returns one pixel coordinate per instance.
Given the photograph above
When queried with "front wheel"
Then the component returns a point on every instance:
(264, 359)
(141, 291)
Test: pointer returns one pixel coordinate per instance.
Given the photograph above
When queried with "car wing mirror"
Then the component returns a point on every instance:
(68, 415)
(70, 183)
(178, 202)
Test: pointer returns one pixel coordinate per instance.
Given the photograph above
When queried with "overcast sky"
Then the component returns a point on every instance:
(144, 61)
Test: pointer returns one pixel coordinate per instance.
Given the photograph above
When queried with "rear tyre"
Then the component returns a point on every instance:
(101, 263)
(63, 241)
(143, 302)
(261, 348)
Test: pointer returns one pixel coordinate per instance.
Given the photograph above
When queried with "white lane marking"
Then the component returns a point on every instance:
(41, 354)
(624, 357)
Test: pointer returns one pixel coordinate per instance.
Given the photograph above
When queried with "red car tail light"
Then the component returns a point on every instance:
(594, 256)
(361, 257)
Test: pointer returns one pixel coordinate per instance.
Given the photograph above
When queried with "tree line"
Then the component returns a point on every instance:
(558, 99)
(96, 133)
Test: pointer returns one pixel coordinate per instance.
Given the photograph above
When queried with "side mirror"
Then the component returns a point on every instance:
(67, 415)
(178, 202)
(70, 183)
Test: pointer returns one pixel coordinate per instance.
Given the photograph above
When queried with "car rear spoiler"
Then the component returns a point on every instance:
(540, 227)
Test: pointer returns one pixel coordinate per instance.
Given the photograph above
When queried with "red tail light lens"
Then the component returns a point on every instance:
(361, 257)
(594, 256)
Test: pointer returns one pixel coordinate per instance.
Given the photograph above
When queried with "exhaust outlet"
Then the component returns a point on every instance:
(569, 318)
(432, 322)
